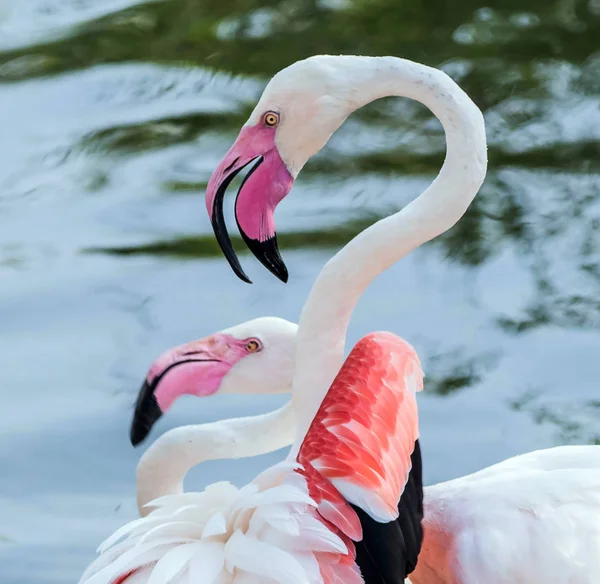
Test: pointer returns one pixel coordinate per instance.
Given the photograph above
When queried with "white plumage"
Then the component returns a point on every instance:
(264, 532)
(531, 518)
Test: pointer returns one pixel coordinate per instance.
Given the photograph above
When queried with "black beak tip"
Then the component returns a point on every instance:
(147, 412)
(284, 277)
(137, 435)
(239, 272)
(267, 253)
(282, 273)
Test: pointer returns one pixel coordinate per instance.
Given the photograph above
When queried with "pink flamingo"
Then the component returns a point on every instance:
(356, 422)
(532, 518)
(303, 521)
(299, 110)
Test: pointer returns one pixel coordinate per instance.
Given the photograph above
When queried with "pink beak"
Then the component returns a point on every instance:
(196, 368)
(265, 185)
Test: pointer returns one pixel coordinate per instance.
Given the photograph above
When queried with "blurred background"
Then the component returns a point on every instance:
(113, 114)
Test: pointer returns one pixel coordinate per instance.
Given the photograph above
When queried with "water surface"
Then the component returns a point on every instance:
(114, 113)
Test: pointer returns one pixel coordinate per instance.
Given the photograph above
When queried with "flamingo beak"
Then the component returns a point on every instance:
(147, 413)
(158, 392)
(268, 181)
(195, 368)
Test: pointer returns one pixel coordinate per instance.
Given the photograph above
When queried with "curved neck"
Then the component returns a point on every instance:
(326, 314)
(163, 467)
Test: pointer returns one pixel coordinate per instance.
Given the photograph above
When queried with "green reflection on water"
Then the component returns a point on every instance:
(572, 423)
(159, 133)
(194, 247)
(521, 62)
(503, 42)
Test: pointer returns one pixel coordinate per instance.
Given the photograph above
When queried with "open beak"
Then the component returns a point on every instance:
(266, 183)
(218, 219)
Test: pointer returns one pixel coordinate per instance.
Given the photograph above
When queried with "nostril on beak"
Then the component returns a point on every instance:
(188, 353)
(225, 170)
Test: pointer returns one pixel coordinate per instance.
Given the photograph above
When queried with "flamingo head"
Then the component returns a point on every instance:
(254, 357)
(299, 110)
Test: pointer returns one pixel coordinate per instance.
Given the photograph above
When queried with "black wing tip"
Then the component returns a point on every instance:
(388, 552)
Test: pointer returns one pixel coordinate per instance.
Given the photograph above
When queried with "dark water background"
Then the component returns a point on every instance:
(113, 114)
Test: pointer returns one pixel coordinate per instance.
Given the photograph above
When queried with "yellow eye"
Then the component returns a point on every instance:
(271, 119)
(253, 346)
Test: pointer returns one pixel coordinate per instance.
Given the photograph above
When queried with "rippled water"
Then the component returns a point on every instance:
(113, 114)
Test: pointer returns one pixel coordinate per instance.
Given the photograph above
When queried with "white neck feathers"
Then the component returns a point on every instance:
(162, 469)
(327, 311)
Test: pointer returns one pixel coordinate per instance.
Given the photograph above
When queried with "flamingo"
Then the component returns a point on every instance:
(298, 111)
(330, 512)
(531, 518)
(329, 516)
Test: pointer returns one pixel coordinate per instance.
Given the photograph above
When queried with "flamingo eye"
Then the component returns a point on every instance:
(253, 346)
(271, 119)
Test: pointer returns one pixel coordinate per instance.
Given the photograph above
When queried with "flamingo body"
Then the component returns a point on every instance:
(305, 520)
(294, 523)
(531, 518)
(543, 528)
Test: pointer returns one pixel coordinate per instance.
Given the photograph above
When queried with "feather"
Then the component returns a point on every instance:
(367, 461)
(314, 535)
(246, 553)
(206, 567)
(286, 494)
(388, 552)
(130, 560)
(183, 530)
(173, 563)
(275, 516)
(128, 528)
(216, 525)
(275, 474)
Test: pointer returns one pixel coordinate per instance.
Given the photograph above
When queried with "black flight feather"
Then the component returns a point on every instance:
(388, 552)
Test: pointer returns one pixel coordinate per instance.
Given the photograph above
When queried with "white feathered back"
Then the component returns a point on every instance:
(222, 535)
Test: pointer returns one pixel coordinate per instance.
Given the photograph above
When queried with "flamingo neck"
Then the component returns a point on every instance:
(163, 467)
(335, 293)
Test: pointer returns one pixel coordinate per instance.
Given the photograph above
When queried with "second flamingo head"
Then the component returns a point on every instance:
(253, 357)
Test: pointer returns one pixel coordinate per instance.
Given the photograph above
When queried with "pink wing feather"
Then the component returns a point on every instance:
(358, 447)
(364, 433)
